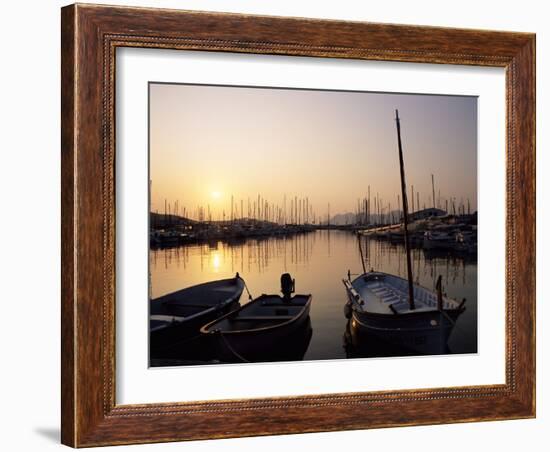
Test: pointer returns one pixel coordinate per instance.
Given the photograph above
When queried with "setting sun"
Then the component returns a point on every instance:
(216, 195)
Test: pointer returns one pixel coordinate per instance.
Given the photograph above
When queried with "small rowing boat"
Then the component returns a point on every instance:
(179, 315)
(379, 311)
(261, 329)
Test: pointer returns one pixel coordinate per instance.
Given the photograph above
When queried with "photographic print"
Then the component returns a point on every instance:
(295, 224)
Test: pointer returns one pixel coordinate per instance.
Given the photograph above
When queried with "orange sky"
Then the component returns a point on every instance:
(208, 143)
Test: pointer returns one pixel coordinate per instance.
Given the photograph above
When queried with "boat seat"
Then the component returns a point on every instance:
(284, 305)
(401, 305)
(179, 303)
(278, 305)
(264, 317)
(166, 318)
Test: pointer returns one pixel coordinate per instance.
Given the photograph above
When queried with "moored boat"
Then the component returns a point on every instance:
(438, 241)
(262, 329)
(379, 311)
(162, 238)
(179, 315)
(466, 242)
(394, 311)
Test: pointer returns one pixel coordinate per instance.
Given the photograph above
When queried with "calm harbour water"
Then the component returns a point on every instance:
(318, 261)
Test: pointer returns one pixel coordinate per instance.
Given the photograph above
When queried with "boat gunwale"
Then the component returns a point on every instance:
(208, 309)
(204, 284)
(357, 317)
(460, 308)
(206, 328)
(180, 323)
(408, 314)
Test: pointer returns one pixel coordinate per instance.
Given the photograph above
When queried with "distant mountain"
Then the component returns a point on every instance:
(159, 220)
(351, 218)
(343, 218)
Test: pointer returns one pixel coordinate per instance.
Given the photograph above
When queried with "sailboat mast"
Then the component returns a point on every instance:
(405, 212)
(433, 191)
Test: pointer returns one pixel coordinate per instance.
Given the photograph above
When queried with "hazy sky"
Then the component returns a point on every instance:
(208, 143)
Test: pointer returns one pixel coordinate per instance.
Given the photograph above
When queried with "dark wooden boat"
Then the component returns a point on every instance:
(380, 313)
(178, 316)
(261, 329)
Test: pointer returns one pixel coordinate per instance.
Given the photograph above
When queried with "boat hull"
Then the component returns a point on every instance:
(167, 342)
(178, 316)
(424, 331)
(418, 334)
(275, 346)
(287, 341)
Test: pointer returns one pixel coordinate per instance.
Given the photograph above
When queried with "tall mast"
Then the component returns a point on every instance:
(405, 212)
(433, 191)
(368, 207)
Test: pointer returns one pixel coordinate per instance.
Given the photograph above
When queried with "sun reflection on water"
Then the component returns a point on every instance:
(215, 261)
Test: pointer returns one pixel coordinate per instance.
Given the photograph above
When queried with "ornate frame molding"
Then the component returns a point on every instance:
(90, 37)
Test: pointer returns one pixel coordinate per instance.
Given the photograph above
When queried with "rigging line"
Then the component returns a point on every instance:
(361, 253)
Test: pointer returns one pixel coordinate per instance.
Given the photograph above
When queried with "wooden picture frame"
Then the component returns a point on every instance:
(90, 36)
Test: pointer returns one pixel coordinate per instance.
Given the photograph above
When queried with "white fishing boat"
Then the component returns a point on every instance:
(379, 309)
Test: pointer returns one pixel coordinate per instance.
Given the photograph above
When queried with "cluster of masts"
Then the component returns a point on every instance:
(376, 210)
(294, 210)
(370, 210)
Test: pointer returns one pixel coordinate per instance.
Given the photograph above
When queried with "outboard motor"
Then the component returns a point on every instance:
(287, 286)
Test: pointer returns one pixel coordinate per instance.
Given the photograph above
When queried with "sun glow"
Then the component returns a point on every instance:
(216, 194)
(215, 262)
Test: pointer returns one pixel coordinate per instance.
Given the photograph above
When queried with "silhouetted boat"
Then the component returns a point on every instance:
(379, 311)
(162, 238)
(439, 241)
(260, 330)
(466, 242)
(179, 315)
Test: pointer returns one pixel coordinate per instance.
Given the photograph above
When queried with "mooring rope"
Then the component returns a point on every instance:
(238, 355)
(247, 291)
(454, 323)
